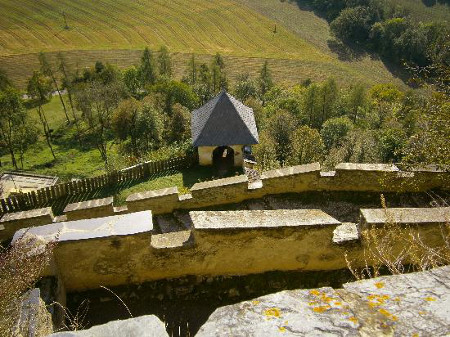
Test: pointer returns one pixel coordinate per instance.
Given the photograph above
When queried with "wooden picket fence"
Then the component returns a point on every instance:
(45, 196)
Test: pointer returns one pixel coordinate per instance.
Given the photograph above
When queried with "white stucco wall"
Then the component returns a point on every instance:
(205, 155)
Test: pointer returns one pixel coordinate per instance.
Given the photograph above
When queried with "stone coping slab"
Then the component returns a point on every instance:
(143, 326)
(291, 170)
(380, 216)
(172, 240)
(153, 194)
(367, 167)
(34, 213)
(220, 182)
(259, 219)
(116, 225)
(346, 233)
(88, 204)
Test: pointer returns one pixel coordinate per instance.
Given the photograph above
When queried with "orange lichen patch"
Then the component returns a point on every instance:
(415, 335)
(374, 304)
(337, 303)
(422, 313)
(397, 299)
(322, 308)
(377, 300)
(313, 303)
(272, 312)
(384, 312)
(379, 285)
(314, 292)
(282, 329)
(255, 302)
(430, 299)
(286, 322)
(353, 319)
(394, 318)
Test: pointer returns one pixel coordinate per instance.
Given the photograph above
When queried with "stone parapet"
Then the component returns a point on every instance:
(159, 201)
(15, 221)
(291, 179)
(89, 209)
(220, 191)
(405, 216)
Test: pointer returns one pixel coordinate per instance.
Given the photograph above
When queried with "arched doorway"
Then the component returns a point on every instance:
(223, 159)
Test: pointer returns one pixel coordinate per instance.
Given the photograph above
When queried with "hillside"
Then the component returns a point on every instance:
(117, 31)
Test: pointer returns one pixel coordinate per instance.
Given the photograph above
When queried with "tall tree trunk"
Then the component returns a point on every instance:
(13, 158)
(60, 98)
(46, 130)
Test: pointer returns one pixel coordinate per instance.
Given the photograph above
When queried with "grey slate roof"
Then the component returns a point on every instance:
(223, 121)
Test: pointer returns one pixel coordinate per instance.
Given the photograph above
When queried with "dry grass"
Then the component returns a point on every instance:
(21, 265)
(400, 249)
(117, 31)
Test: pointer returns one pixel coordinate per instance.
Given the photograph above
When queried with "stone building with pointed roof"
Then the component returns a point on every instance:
(222, 130)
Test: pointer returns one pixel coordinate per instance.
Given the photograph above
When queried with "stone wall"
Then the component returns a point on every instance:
(347, 177)
(12, 222)
(124, 249)
(89, 209)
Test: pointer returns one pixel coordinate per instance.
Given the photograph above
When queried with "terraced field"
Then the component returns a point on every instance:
(117, 30)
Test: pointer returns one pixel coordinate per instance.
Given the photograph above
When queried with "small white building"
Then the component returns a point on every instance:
(222, 130)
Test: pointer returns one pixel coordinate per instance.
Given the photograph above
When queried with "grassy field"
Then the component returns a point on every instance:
(117, 31)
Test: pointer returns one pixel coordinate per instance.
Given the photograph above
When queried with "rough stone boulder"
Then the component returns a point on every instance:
(144, 326)
(415, 304)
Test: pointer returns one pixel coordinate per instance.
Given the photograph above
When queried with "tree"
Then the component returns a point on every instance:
(147, 68)
(353, 24)
(266, 152)
(4, 80)
(47, 70)
(356, 100)
(164, 62)
(328, 95)
(173, 92)
(12, 117)
(98, 101)
(179, 124)
(245, 87)
(150, 126)
(391, 142)
(191, 71)
(131, 81)
(307, 146)
(310, 104)
(218, 76)
(40, 90)
(124, 123)
(280, 128)
(265, 82)
(334, 131)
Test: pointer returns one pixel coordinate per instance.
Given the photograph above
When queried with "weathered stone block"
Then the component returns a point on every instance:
(291, 179)
(318, 312)
(89, 209)
(158, 201)
(362, 177)
(220, 191)
(143, 326)
(405, 216)
(15, 221)
(34, 320)
(346, 233)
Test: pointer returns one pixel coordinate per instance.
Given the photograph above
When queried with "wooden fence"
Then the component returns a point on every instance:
(45, 196)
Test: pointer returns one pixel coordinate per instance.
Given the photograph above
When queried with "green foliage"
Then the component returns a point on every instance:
(164, 62)
(4, 80)
(266, 152)
(131, 81)
(334, 131)
(353, 24)
(179, 128)
(265, 82)
(280, 128)
(245, 87)
(307, 146)
(147, 71)
(391, 142)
